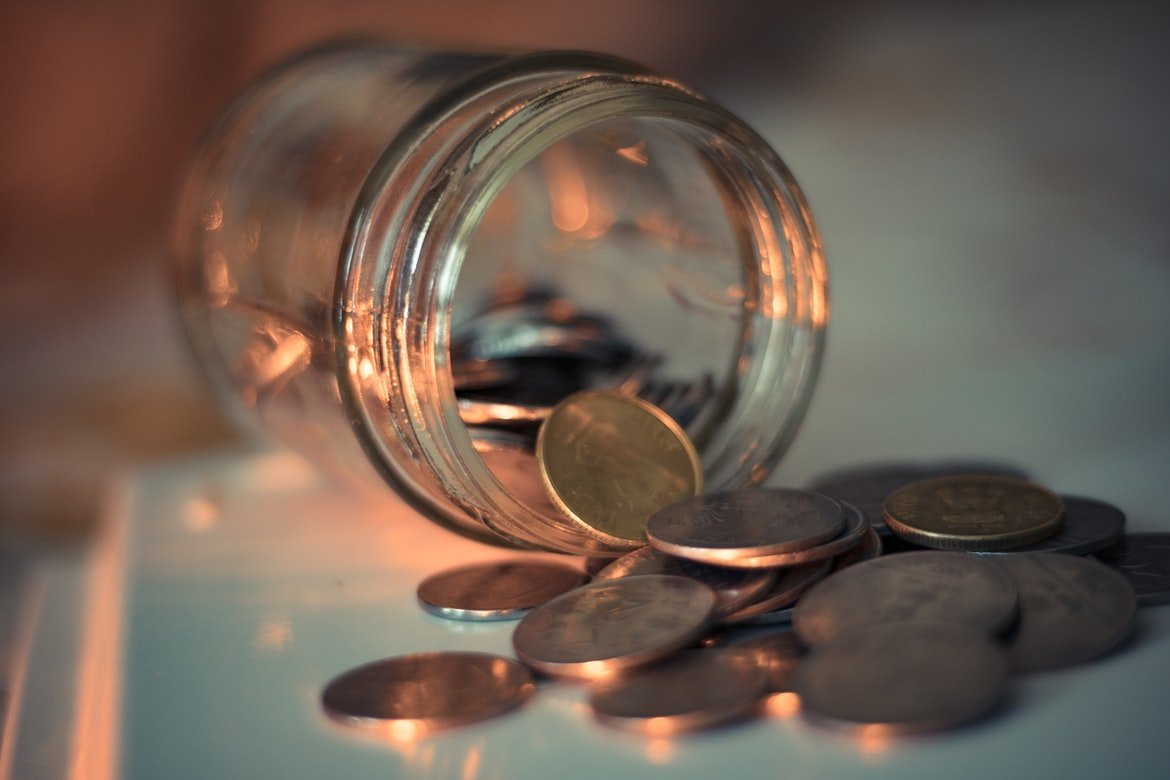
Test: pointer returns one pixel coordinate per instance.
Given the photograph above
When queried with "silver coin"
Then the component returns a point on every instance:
(903, 677)
(427, 690)
(501, 590)
(726, 528)
(606, 627)
(693, 690)
(1144, 560)
(1072, 610)
(915, 586)
(734, 588)
(790, 584)
(1089, 525)
(777, 652)
(856, 529)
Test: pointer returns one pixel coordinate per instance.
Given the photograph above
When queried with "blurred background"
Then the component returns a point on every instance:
(992, 180)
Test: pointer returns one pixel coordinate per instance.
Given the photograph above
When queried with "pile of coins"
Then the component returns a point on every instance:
(914, 619)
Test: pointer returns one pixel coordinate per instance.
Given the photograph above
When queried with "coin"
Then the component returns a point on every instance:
(929, 585)
(791, 583)
(777, 652)
(1072, 609)
(428, 690)
(855, 532)
(501, 590)
(867, 549)
(734, 588)
(508, 456)
(1089, 525)
(728, 528)
(973, 512)
(904, 677)
(605, 627)
(610, 461)
(696, 689)
(1144, 560)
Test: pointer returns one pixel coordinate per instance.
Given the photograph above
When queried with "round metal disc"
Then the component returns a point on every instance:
(1072, 610)
(501, 590)
(974, 512)
(611, 460)
(905, 677)
(1089, 525)
(734, 588)
(696, 689)
(923, 586)
(430, 690)
(1144, 560)
(856, 529)
(777, 651)
(605, 627)
(726, 528)
(791, 583)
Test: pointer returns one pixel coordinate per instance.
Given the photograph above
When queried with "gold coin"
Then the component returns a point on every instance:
(974, 512)
(611, 460)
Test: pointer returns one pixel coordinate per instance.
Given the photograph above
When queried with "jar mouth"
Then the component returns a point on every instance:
(398, 294)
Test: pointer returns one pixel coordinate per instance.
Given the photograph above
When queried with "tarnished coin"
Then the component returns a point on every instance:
(693, 690)
(777, 652)
(1089, 525)
(1072, 609)
(974, 512)
(790, 584)
(904, 677)
(611, 460)
(734, 588)
(856, 529)
(427, 690)
(867, 549)
(728, 528)
(606, 627)
(921, 586)
(501, 590)
(1144, 560)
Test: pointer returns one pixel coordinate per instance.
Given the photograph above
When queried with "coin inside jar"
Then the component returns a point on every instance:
(610, 626)
(501, 590)
(427, 690)
(726, 528)
(611, 460)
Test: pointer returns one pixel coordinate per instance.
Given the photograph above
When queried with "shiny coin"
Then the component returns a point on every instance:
(1144, 560)
(1072, 609)
(855, 532)
(427, 691)
(503, 590)
(974, 512)
(1089, 525)
(610, 461)
(902, 677)
(776, 651)
(920, 586)
(729, 528)
(606, 627)
(734, 588)
(697, 689)
(790, 584)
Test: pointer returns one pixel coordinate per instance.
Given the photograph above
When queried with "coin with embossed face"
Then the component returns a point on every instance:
(610, 626)
(974, 512)
(1089, 525)
(611, 460)
(427, 691)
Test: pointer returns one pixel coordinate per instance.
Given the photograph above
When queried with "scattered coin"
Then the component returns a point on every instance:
(855, 532)
(502, 590)
(1144, 560)
(905, 677)
(791, 583)
(734, 588)
(610, 461)
(775, 651)
(974, 512)
(429, 690)
(693, 690)
(1072, 609)
(919, 586)
(606, 627)
(870, 547)
(1089, 525)
(727, 528)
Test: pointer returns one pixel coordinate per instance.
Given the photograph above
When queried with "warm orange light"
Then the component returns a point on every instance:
(782, 705)
(635, 153)
(659, 750)
(471, 763)
(566, 188)
(874, 738)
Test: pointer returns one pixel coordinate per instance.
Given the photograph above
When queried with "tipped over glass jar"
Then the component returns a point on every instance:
(398, 261)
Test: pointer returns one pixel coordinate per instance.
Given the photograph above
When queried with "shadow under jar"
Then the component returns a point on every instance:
(364, 214)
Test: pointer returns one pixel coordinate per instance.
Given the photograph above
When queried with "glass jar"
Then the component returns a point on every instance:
(370, 231)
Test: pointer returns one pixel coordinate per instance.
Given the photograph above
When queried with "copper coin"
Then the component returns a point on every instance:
(500, 590)
(856, 529)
